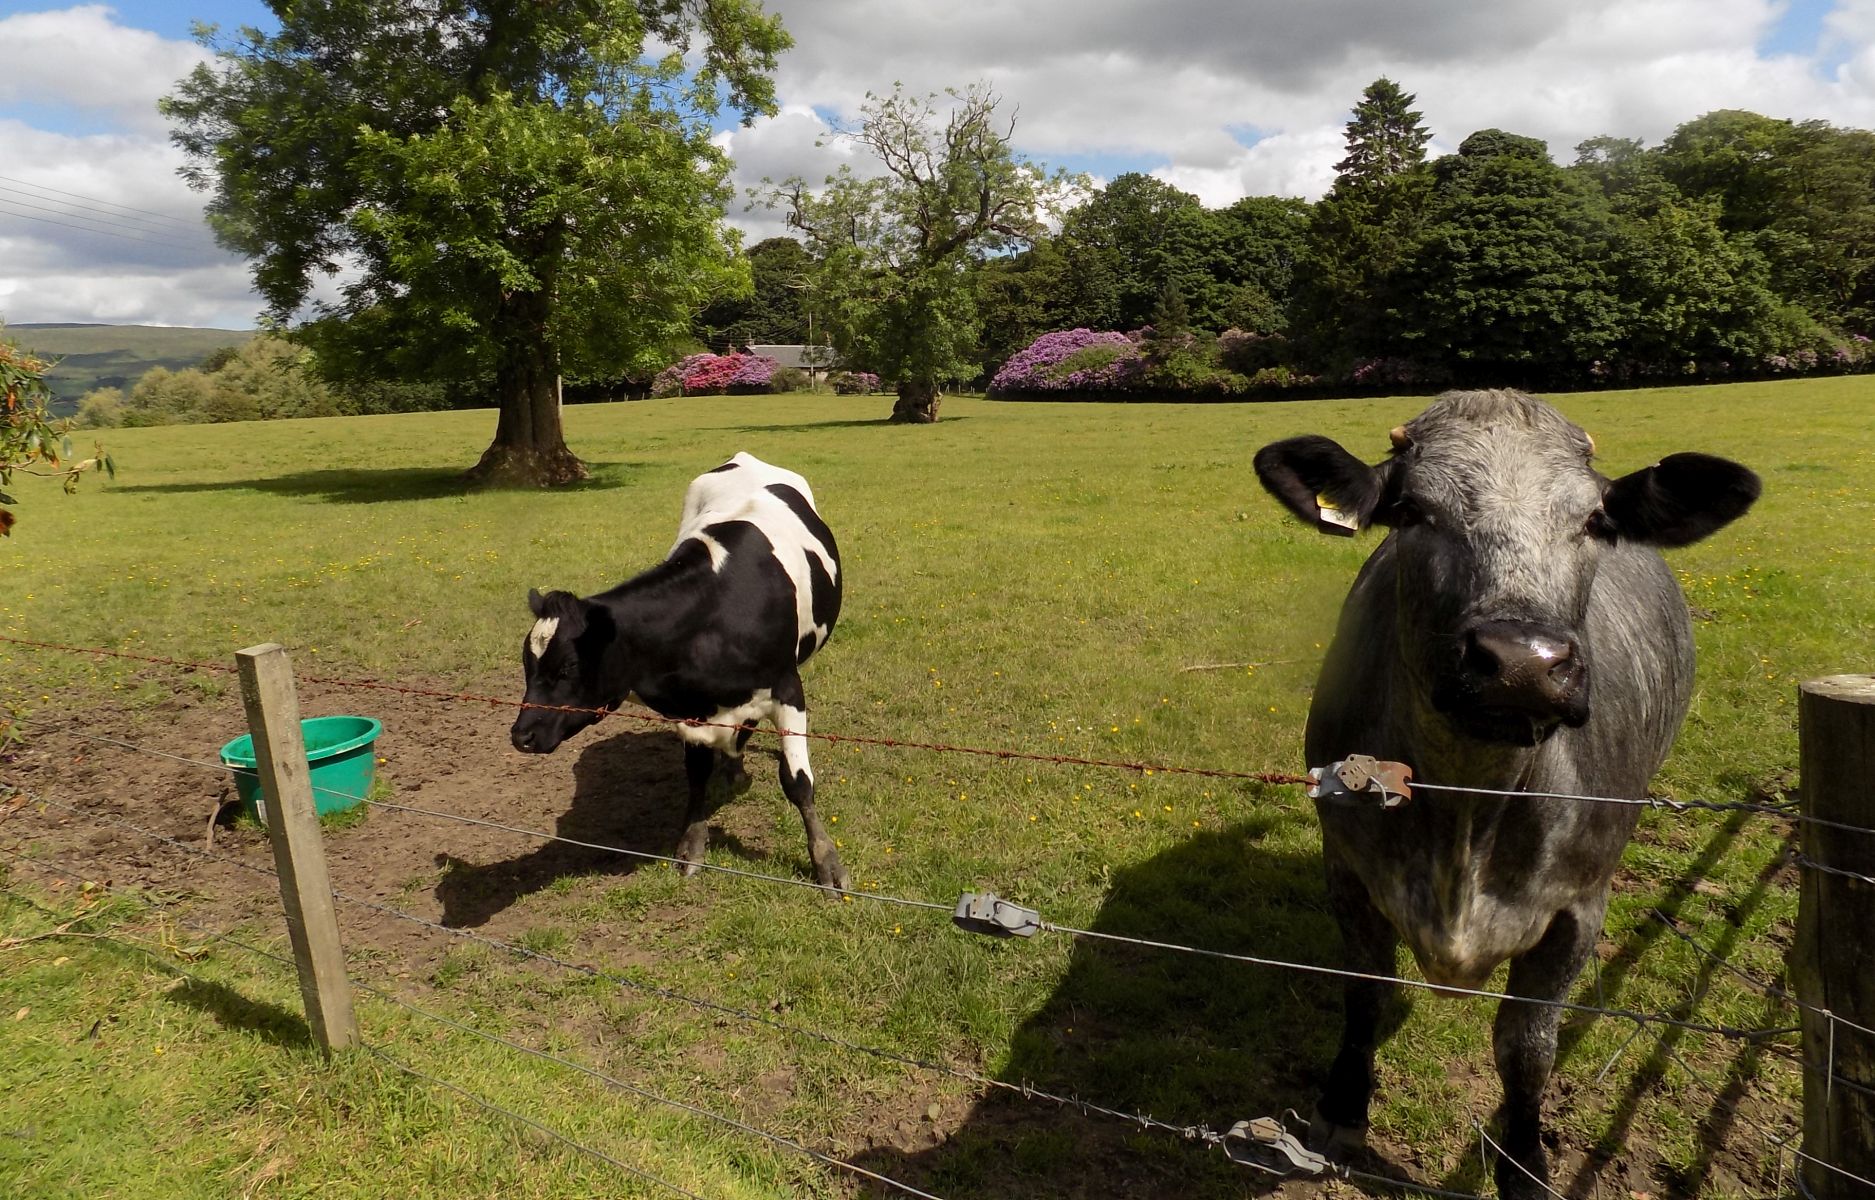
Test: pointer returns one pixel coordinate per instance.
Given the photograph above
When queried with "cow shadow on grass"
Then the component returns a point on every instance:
(629, 791)
(1184, 1039)
(360, 485)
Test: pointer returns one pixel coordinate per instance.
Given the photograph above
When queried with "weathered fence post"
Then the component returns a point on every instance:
(1834, 967)
(298, 855)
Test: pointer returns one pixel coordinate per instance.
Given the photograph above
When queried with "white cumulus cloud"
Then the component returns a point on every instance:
(1223, 98)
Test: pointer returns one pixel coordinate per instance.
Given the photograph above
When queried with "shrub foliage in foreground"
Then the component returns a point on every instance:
(29, 441)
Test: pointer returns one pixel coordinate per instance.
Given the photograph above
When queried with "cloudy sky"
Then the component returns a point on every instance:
(1224, 98)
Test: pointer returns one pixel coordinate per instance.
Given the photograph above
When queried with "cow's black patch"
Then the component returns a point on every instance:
(728, 466)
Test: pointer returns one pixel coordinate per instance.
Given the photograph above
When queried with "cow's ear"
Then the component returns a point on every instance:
(536, 603)
(1322, 483)
(1678, 500)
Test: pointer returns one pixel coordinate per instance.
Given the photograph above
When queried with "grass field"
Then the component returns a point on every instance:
(1031, 576)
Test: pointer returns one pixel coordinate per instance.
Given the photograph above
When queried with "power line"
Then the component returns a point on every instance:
(88, 229)
(65, 212)
(129, 208)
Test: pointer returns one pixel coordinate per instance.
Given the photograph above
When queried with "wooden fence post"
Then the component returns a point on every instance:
(1834, 966)
(298, 854)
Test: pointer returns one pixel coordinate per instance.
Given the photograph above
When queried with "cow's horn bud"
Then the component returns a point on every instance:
(1591, 438)
(1399, 437)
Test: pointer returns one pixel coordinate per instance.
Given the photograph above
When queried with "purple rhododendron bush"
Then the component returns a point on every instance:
(1145, 364)
(1072, 360)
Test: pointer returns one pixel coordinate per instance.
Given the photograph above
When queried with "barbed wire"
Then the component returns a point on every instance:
(1194, 1133)
(1641, 1018)
(1050, 926)
(650, 717)
(1273, 778)
(1783, 1143)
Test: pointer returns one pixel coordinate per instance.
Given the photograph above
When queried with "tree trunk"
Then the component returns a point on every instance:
(529, 449)
(917, 402)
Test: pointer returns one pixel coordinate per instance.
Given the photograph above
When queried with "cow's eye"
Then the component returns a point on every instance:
(1599, 526)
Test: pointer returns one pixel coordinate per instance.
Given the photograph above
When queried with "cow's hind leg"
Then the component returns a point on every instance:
(797, 781)
(1372, 1011)
(699, 762)
(1524, 1039)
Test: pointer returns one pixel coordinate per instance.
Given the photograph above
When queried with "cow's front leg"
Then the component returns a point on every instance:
(1524, 1039)
(797, 781)
(735, 774)
(1371, 1011)
(699, 761)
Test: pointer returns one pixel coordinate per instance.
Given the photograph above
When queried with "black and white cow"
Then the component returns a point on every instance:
(1515, 630)
(717, 632)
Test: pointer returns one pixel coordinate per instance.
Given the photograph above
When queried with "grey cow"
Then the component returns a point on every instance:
(1515, 630)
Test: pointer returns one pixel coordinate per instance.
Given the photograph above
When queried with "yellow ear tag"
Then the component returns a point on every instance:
(1335, 516)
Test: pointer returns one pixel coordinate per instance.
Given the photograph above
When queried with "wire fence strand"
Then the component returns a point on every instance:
(1193, 1133)
(1640, 1018)
(1273, 778)
(609, 1080)
(1196, 1133)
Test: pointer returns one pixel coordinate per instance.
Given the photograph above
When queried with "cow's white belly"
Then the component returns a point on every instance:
(722, 725)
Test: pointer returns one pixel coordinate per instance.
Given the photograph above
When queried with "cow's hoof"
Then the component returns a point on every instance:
(690, 852)
(1333, 1140)
(835, 878)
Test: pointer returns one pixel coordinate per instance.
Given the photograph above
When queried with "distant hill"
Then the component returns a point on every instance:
(95, 356)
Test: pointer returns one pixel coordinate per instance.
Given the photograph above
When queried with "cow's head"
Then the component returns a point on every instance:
(1499, 524)
(564, 661)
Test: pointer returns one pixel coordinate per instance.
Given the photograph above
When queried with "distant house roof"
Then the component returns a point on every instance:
(787, 356)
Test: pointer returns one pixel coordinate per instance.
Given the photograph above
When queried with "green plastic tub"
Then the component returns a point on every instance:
(340, 750)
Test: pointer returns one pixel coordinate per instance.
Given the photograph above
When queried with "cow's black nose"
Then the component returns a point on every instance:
(1526, 667)
(523, 740)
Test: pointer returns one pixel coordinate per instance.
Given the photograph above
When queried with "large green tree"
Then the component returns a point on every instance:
(1509, 279)
(1384, 136)
(504, 190)
(774, 312)
(1125, 244)
(894, 252)
(1363, 231)
(1804, 192)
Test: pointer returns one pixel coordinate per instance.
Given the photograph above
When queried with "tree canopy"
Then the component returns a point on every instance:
(894, 252)
(503, 191)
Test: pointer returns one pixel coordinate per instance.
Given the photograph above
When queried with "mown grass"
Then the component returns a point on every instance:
(1030, 576)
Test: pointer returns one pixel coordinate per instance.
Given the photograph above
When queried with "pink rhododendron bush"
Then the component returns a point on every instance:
(716, 375)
